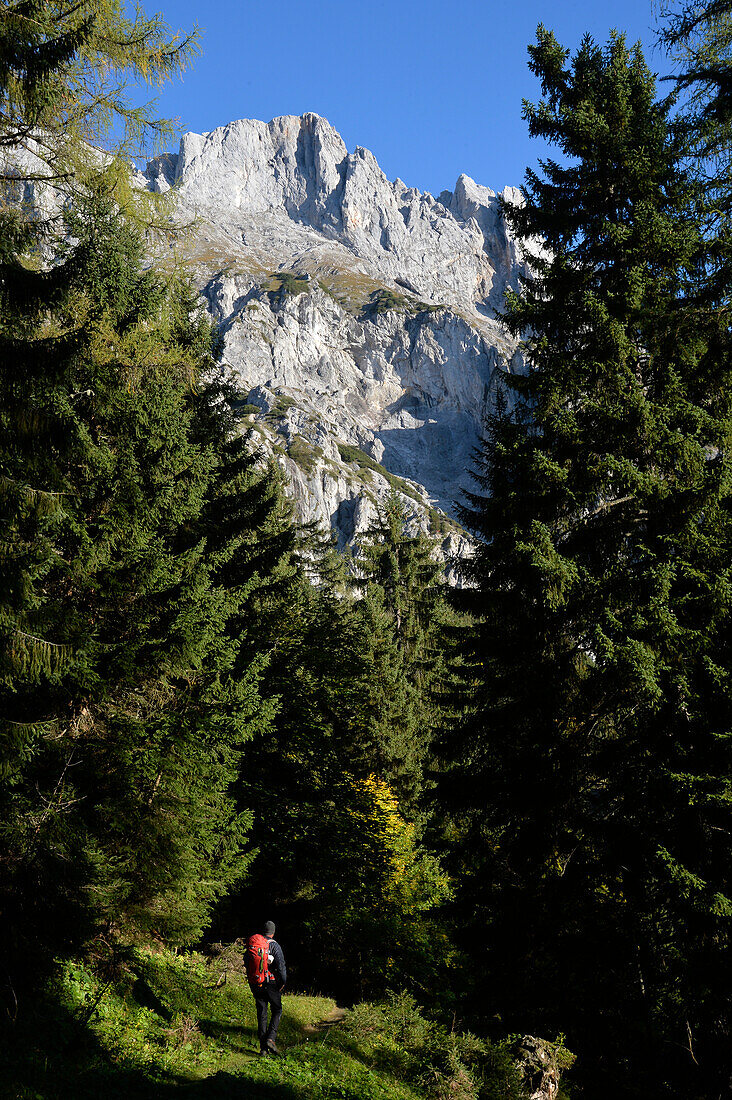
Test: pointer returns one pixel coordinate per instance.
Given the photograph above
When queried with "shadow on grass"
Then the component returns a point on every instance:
(132, 1085)
(67, 1062)
(391, 1063)
(238, 1038)
(233, 1088)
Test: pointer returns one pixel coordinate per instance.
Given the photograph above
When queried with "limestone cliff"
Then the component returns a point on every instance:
(358, 314)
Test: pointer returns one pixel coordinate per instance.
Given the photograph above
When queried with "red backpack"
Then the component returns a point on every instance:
(258, 960)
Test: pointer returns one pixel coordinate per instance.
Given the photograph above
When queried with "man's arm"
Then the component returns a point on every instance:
(279, 963)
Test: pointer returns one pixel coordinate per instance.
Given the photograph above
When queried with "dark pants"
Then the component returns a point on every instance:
(265, 995)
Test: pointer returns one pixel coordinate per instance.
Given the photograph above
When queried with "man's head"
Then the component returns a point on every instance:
(269, 929)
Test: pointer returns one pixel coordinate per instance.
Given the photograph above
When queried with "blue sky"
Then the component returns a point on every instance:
(432, 87)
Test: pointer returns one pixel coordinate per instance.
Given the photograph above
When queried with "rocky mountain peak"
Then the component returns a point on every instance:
(358, 314)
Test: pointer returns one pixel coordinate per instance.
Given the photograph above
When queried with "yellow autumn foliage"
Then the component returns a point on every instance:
(394, 869)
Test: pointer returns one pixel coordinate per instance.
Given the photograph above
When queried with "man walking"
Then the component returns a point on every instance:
(267, 975)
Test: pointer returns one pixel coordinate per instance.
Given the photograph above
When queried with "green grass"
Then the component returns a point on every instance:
(165, 1029)
(383, 301)
(441, 524)
(304, 453)
(287, 282)
(159, 1026)
(351, 289)
(280, 407)
(349, 454)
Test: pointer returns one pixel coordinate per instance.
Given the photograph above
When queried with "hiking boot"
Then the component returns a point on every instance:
(273, 1049)
(263, 1052)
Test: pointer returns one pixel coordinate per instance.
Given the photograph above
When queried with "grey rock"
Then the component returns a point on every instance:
(373, 363)
(537, 1065)
(404, 381)
(258, 177)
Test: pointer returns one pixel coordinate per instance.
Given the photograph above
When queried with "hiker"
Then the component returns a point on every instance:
(267, 975)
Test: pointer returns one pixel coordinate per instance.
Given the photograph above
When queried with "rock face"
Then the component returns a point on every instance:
(358, 315)
(537, 1065)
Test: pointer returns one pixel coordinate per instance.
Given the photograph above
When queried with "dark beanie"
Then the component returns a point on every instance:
(269, 928)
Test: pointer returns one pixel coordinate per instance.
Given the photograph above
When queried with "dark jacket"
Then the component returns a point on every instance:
(277, 967)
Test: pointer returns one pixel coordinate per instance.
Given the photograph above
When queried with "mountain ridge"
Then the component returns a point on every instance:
(359, 316)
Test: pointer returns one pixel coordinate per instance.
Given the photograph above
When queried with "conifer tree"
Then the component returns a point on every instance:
(354, 664)
(699, 37)
(134, 525)
(65, 71)
(398, 656)
(128, 678)
(592, 783)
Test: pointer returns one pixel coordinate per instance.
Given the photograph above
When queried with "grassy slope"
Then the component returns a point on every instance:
(167, 1030)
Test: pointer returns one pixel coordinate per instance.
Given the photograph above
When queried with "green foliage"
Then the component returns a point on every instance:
(374, 888)
(134, 533)
(386, 301)
(441, 524)
(341, 854)
(443, 1063)
(349, 453)
(65, 69)
(591, 783)
(279, 409)
(137, 531)
(282, 283)
(304, 453)
(158, 1023)
(699, 36)
(151, 1021)
(403, 610)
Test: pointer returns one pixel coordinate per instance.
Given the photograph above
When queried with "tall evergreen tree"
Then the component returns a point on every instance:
(128, 677)
(699, 37)
(336, 790)
(134, 524)
(592, 784)
(399, 651)
(65, 74)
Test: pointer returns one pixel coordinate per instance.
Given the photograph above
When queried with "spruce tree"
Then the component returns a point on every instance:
(129, 668)
(591, 784)
(128, 676)
(399, 653)
(336, 790)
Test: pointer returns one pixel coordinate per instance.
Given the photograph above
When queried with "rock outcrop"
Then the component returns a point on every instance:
(538, 1067)
(358, 315)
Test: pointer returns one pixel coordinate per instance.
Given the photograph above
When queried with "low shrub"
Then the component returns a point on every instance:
(385, 301)
(286, 282)
(447, 1065)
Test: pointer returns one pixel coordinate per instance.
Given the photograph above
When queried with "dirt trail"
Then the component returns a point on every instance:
(325, 1024)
